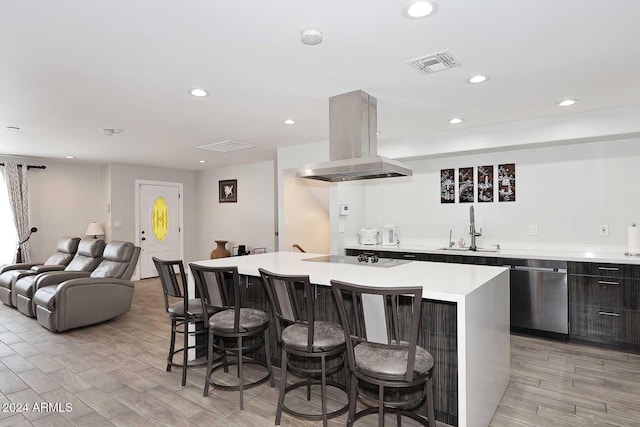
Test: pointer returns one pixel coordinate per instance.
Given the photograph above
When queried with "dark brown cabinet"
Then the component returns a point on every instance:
(418, 256)
(604, 302)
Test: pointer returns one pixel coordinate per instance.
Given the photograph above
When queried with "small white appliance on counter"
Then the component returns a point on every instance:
(368, 236)
(390, 235)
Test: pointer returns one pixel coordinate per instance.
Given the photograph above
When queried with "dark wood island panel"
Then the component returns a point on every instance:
(439, 337)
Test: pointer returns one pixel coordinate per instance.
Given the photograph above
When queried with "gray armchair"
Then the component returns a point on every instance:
(105, 294)
(83, 263)
(10, 274)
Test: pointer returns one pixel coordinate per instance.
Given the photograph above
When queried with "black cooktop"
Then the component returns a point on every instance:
(364, 259)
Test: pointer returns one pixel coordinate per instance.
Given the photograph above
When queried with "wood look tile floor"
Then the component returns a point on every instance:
(113, 374)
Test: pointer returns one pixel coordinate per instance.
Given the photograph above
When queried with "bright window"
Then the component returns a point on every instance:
(9, 240)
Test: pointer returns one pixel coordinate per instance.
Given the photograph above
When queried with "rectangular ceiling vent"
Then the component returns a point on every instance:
(227, 146)
(435, 62)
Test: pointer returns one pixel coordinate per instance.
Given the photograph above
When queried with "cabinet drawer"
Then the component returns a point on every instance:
(604, 292)
(605, 270)
(411, 256)
(596, 292)
(593, 324)
(435, 257)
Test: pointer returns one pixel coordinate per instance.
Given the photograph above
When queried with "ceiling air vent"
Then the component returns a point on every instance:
(226, 146)
(435, 62)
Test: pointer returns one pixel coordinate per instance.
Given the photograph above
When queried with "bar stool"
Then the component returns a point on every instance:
(181, 313)
(301, 335)
(383, 325)
(232, 329)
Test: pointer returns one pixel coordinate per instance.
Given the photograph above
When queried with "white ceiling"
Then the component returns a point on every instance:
(71, 68)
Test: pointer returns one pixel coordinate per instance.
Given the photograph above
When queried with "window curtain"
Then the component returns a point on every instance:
(16, 180)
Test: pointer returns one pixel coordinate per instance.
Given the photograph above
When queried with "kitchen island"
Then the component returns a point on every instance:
(465, 321)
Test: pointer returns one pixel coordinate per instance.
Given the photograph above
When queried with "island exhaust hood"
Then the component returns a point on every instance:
(353, 143)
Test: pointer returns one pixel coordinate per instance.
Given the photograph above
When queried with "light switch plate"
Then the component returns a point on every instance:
(603, 230)
(341, 228)
(533, 229)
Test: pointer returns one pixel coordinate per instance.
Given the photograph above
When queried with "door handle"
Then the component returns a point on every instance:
(608, 313)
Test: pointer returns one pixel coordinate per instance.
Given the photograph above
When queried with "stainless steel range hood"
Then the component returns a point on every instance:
(353, 143)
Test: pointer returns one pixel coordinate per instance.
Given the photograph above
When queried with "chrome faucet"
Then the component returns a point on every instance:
(451, 244)
(472, 230)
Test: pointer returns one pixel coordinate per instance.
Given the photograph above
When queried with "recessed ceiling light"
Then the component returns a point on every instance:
(567, 102)
(455, 121)
(479, 78)
(202, 161)
(419, 9)
(70, 157)
(13, 128)
(311, 36)
(289, 122)
(198, 92)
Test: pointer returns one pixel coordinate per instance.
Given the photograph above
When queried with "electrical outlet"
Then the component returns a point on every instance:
(603, 229)
(533, 229)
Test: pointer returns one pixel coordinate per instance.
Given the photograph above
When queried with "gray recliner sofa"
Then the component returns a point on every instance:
(83, 263)
(105, 294)
(10, 274)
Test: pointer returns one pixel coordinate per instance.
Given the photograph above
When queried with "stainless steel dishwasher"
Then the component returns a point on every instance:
(539, 297)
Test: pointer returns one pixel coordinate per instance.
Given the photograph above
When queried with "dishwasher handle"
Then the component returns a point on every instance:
(540, 269)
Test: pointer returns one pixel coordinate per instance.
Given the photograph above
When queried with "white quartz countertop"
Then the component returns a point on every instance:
(440, 281)
(550, 254)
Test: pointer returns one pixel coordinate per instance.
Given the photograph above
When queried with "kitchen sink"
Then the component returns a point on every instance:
(454, 249)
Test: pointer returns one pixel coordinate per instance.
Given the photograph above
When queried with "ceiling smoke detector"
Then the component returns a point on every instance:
(226, 146)
(311, 36)
(111, 132)
(435, 62)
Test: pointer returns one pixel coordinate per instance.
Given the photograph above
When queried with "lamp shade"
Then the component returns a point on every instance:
(94, 229)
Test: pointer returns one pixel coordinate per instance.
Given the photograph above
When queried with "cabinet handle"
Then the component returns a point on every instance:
(408, 256)
(606, 313)
(605, 282)
(609, 268)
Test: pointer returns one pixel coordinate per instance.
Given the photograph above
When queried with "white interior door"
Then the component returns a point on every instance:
(159, 225)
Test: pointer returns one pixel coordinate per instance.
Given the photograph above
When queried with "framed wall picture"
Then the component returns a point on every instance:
(228, 191)
(447, 186)
(507, 182)
(485, 183)
(465, 184)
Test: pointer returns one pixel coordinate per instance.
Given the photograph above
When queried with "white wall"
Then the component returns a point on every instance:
(250, 221)
(306, 214)
(63, 199)
(567, 191)
(105, 200)
(293, 158)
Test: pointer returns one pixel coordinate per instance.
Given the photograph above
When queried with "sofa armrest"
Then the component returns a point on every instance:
(82, 302)
(21, 266)
(57, 277)
(45, 268)
(71, 283)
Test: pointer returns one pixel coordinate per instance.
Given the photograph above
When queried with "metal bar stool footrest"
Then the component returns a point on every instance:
(245, 385)
(304, 383)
